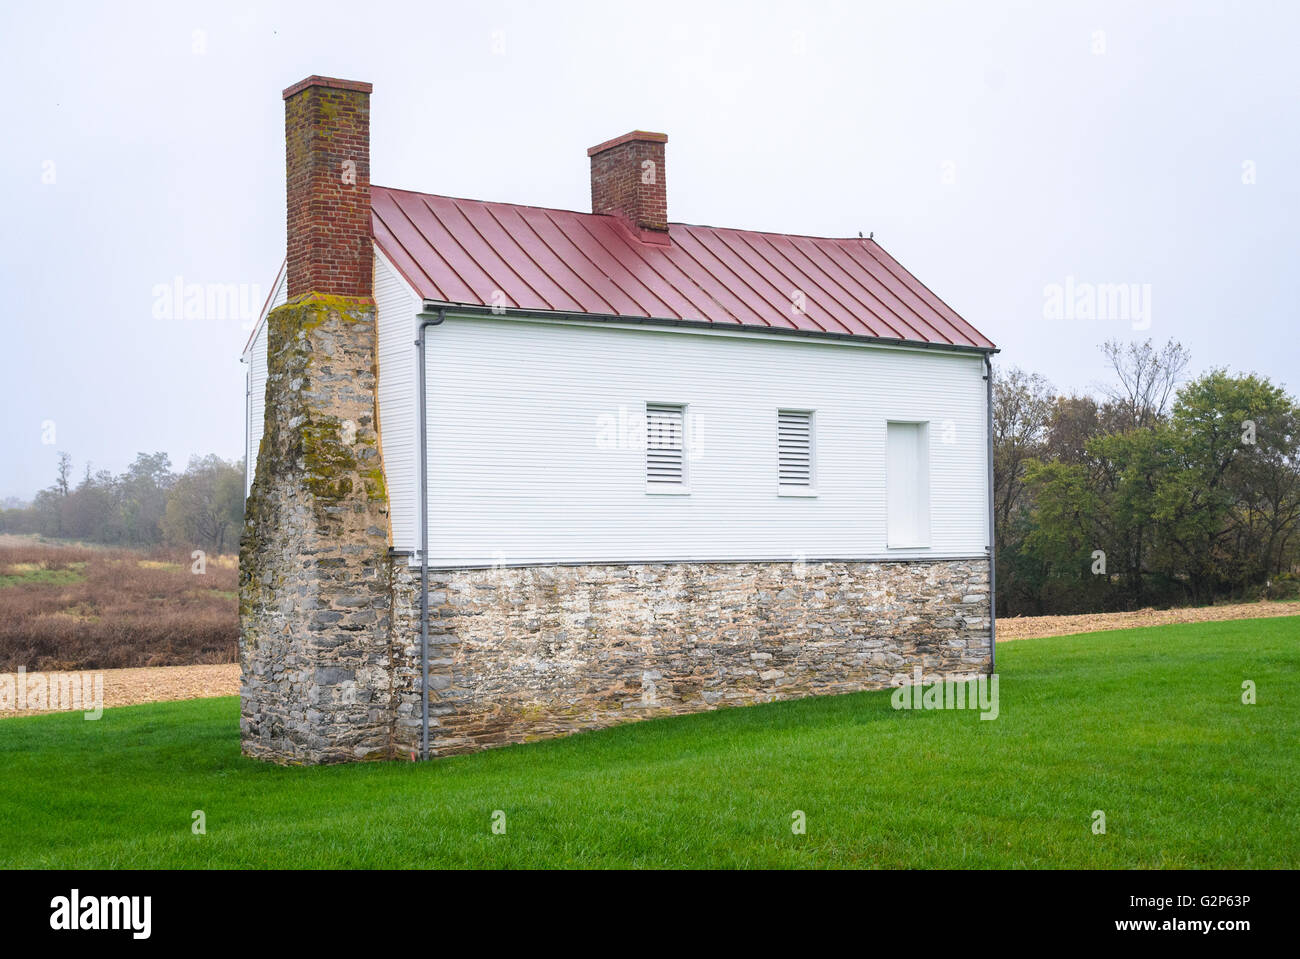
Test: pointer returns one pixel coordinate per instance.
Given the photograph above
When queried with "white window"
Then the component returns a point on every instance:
(794, 453)
(665, 448)
(907, 479)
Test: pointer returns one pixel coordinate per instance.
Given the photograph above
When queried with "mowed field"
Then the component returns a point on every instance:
(67, 607)
(1146, 727)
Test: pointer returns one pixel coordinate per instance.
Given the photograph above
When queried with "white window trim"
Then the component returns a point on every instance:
(804, 492)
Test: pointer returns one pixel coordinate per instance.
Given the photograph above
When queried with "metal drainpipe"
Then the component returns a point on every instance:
(425, 323)
(993, 555)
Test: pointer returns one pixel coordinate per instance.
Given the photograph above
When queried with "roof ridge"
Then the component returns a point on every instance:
(560, 209)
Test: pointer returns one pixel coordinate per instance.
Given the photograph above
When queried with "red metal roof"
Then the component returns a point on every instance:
(464, 251)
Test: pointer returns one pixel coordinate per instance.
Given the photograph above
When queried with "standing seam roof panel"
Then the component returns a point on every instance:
(691, 293)
(843, 314)
(881, 256)
(620, 303)
(733, 291)
(779, 284)
(672, 302)
(501, 274)
(891, 295)
(514, 248)
(876, 297)
(775, 311)
(389, 237)
(579, 292)
(463, 251)
(646, 299)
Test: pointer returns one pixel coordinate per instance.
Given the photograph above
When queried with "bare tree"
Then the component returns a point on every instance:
(1022, 415)
(1147, 380)
(62, 483)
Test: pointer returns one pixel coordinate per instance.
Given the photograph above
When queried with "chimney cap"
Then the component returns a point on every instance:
(332, 82)
(635, 135)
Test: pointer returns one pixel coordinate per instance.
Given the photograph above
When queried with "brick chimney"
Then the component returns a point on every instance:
(627, 180)
(327, 154)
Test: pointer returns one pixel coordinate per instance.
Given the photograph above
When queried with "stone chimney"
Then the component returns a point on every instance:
(627, 180)
(315, 600)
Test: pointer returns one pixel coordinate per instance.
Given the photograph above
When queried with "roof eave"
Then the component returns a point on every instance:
(478, 309)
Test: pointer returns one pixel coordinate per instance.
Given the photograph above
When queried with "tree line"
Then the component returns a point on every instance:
(146, 505)
(1157, 491)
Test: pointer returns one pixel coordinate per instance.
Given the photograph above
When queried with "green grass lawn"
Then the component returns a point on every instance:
(1146, 725)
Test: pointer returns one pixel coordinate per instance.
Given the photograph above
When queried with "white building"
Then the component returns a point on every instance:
(615, 399)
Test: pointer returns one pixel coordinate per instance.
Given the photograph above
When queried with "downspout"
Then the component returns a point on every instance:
(993, 555)
(426, 321)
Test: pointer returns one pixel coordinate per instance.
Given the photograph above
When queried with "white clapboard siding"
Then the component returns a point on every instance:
(537, 444)
(399, 421)
(255, 401)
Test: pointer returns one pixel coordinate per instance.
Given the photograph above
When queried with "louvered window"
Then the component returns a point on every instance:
(665, 448)
(794, 442)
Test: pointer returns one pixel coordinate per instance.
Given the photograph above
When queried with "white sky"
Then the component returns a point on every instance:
(987, 145)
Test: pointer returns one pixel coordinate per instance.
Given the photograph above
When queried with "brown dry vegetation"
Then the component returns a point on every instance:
(69, 607)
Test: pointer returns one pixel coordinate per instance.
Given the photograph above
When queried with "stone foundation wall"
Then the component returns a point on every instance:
(519, 654)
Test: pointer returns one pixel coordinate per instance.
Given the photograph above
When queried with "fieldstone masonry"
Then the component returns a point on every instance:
(519, 654)
(314, 584)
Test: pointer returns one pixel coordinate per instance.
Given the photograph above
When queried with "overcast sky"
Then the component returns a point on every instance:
(999, 150)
